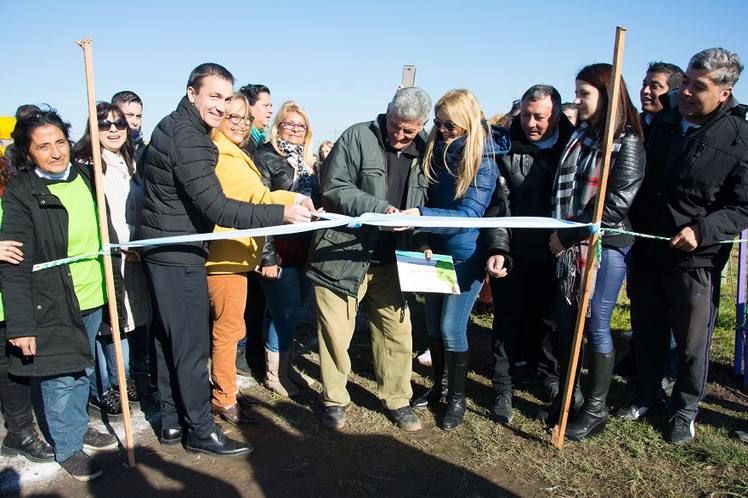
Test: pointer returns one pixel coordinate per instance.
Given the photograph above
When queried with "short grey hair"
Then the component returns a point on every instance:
(410, 104)
(539, 92)
(726, 64)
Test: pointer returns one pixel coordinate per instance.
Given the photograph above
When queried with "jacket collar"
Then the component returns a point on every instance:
(671, 115)
(188, 110)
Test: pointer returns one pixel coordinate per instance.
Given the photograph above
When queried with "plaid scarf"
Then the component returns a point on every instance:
(302, 172)
(576, 184)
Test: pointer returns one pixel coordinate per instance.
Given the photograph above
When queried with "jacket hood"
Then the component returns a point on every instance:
(497, 144)
(520, 143)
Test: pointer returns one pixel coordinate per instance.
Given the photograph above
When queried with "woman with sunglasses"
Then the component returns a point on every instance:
(461, 167)
(124, 194)
(229, 261)
(285, 162)
(52, 315)
(575, 192)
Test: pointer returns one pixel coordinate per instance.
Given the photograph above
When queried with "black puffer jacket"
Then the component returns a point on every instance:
(278, 174)
(43, 304)
(624, 179)
(182, 193)
(700, 179)
(528, 172)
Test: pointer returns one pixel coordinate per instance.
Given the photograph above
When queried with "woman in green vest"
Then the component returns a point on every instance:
(54, 314)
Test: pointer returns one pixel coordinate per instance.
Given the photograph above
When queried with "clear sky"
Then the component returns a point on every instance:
(342, 60)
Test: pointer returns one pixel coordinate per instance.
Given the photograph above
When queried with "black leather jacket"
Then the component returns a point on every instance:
(624, 179)
(528, 173)
(277, 174)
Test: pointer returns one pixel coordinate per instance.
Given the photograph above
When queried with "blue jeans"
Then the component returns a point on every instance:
(106, 364)
(66, 399)
(610, 277)
(284, 296)
(447, 315)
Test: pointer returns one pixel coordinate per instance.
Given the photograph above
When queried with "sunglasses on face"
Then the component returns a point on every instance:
(288, 125)
(448, 125)
(105, 124)
(236, 120)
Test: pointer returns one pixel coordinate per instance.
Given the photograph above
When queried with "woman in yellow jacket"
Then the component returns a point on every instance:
(230, 260)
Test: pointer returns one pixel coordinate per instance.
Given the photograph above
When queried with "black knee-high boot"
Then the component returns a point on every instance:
(593, 415)
(438, 390)
(457, 369)
(552, 414)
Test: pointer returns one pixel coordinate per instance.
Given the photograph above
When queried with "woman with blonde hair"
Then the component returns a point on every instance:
(285, 162)
(230, 260)
(461, 167)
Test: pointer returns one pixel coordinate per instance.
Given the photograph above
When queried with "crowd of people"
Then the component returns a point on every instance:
(678, 170)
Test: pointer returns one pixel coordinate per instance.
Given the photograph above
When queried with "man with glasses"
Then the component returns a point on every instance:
(375, 167)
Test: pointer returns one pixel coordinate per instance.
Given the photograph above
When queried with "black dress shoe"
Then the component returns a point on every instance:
(216, 443)
(334, 417)
(171, 436)
(27, 444)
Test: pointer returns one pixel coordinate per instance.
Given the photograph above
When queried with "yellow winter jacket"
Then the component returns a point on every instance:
(240, 179)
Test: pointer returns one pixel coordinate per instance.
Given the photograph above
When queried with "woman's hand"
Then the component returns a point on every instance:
(307, 203)
(131, 256)
(428, 253)
(269, 272)
(411, 212)
(10, 252)
(555, 245)
(296, 214)
(495, 266)
(27, 345)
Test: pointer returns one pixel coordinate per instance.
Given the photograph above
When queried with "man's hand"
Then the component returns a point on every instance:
(555, 245)
(428, 253)
(10, 252)
(296, 214)
(687, 239)
(391, 210)
(495, 266)
(307, 203)
(269, 272)
(411, 212)
(27, 345)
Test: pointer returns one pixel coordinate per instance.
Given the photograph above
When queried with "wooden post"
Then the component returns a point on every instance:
(590, 268)
(93, 123)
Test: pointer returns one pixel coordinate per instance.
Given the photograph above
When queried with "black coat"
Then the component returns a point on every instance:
(528, 173)
(43, 304)
(700, 179)
(277, 174)
(182, 193)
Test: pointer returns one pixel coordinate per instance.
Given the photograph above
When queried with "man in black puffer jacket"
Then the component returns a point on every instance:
(523, 301)
(183, 196)
(695, 193)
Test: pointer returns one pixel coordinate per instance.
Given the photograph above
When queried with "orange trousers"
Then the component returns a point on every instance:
(228, 299)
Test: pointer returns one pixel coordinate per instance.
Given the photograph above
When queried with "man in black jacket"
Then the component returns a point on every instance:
(523, 300)
(695, 193)
(183, 196)
(661, 78)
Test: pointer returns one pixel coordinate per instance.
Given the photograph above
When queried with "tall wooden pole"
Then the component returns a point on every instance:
(590, 268)
(93, 124)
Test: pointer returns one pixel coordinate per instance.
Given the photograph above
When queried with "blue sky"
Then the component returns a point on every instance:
(342, 60)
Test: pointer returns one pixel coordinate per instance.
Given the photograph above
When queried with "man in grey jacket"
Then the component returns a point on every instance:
(376, 167)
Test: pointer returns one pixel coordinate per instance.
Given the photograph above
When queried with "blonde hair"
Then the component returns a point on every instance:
(245, 102)
(284, 110)
(463, 109)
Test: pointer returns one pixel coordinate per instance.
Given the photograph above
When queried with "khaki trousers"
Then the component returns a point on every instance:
(391, 340)
(228, 298)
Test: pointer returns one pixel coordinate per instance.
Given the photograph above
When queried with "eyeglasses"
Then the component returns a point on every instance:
(288, 125)
(448, 125)
(235, 119)
(105, 124)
